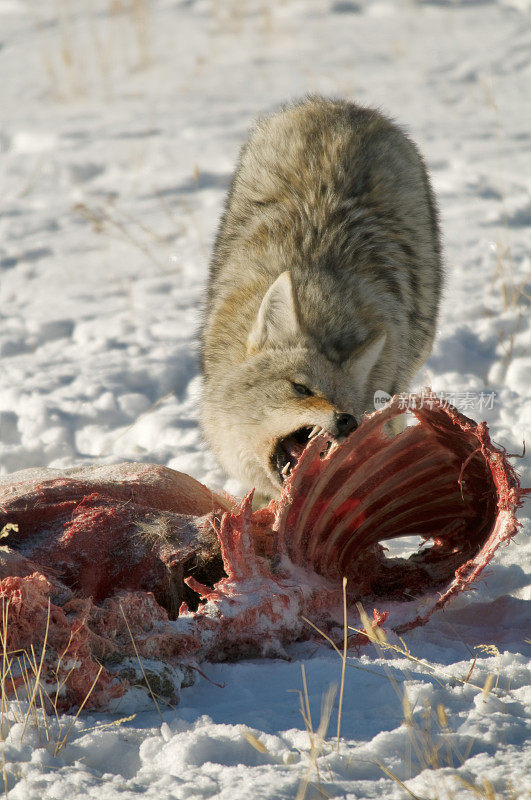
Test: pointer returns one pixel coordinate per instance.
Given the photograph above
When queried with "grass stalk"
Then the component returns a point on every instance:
(343, 661)
(153, 697)
(59, 746)
(38, 672)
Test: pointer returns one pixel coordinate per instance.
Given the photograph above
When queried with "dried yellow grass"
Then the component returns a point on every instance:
(29, 703)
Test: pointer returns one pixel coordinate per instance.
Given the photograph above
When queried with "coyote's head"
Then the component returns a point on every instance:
(283, 393)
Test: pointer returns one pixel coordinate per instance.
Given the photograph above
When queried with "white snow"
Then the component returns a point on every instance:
(120, 124)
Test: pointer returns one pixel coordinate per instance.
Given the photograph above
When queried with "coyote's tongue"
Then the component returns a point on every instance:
(293, 448)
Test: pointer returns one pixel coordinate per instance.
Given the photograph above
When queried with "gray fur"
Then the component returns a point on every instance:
(337, 197)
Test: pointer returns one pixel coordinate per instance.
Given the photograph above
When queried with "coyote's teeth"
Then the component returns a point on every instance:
(285, 469)
(314, 431)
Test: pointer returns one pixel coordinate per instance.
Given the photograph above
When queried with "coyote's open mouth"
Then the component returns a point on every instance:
(289, 449)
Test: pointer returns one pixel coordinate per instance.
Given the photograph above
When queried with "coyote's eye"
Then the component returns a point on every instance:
(301, 390)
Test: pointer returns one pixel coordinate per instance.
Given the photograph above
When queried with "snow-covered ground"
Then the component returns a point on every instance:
(120, 124)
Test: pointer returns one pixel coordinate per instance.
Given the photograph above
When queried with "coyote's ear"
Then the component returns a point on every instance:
(361, 362)
(276, 322)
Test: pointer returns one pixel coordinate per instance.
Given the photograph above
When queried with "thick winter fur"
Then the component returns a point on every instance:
(326, 274)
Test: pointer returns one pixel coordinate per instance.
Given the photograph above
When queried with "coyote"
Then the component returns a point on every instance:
(324, 285)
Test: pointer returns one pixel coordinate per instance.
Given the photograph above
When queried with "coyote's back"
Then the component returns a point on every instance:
(324, 284)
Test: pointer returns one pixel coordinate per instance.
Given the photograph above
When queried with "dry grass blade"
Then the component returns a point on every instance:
(37, 674)
(5, 667)
(471, 670)
(487, 685)
(5, 614)
(44, 715)
(100, 218)
(338, 651)
(317, 738)
(110, 724)
(485, 791)
(59, 746)
(24, 673)
(254, 742)
(373, 632)
(343, 661)
(307, 716)
(4, 774)
(326, 713)
(153, 697)
(15, 691)
(377, 637)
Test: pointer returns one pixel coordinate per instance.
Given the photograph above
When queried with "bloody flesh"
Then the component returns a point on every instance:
(136, 558)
